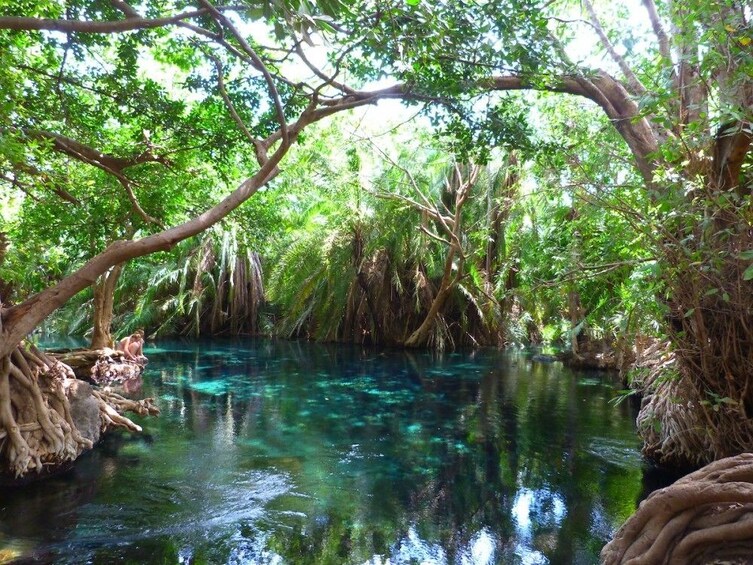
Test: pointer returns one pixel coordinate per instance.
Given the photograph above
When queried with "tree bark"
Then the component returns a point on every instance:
(104, 296)
(419, 337)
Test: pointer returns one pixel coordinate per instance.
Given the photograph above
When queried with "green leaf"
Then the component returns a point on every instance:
(747, 255)
(748, 274)
(413, 2)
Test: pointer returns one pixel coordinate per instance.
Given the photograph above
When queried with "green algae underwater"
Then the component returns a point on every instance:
(292, 452)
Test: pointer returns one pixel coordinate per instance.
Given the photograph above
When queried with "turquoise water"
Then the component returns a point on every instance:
(288, 452)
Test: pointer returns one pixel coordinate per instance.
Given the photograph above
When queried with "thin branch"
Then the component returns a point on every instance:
(23, 187)
(635, 84)
(435, 236)
(392, 129)
(595, 271)
(258, 64)
(318, 72)
(126, 183)
(656, 24)
(448, 223)
(229, 103)
(47, 182)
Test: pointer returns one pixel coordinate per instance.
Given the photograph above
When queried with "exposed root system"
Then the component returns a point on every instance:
(705, 517)
(37, 428)
(104, 367)
(112, 406)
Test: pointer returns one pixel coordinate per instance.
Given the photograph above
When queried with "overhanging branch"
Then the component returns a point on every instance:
(635, 85)
(20, 23)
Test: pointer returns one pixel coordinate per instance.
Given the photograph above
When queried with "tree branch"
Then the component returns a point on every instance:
(229, 103)
(20, 23)
(656, 24)
(126, 8)
(635, 85)
(612, 97)
(110, 164)
(327, 80)
(258, 64)
(31, 170)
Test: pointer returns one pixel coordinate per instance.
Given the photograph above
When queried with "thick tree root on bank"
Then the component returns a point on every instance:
(38, 431)
(705, 517)
(112, 406)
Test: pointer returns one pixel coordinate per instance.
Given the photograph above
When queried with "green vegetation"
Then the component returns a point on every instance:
(568, 179)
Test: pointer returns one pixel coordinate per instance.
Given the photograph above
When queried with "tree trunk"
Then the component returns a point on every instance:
(420, 337)
(575, 313)
(460, 188)
(500, 203)
(104, 296)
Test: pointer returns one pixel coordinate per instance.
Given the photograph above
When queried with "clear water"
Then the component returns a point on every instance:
(287, 452)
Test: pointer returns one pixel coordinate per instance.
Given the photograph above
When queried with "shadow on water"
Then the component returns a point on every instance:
(272, 452)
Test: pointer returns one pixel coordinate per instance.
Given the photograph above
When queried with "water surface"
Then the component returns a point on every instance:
(287, 452)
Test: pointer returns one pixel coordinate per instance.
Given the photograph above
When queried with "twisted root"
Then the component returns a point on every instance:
(705, 516)
(112, 405)
(37, 430)
(678, 424)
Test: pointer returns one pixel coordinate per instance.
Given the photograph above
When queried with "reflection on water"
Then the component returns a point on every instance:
(286, 452)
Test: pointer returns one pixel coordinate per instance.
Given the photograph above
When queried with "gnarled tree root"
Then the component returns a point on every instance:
(37, 429)
(702, 518)
(112, 406)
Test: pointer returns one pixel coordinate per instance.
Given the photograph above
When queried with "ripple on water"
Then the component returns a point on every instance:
(272, 452)
(616, 452)
(184, 509)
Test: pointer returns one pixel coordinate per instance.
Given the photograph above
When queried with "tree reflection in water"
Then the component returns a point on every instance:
(293, 452)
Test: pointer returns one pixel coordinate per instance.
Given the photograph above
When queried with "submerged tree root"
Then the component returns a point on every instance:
(37, 428)
(702, 518)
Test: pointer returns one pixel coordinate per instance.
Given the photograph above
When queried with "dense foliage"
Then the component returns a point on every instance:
(126, 129)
